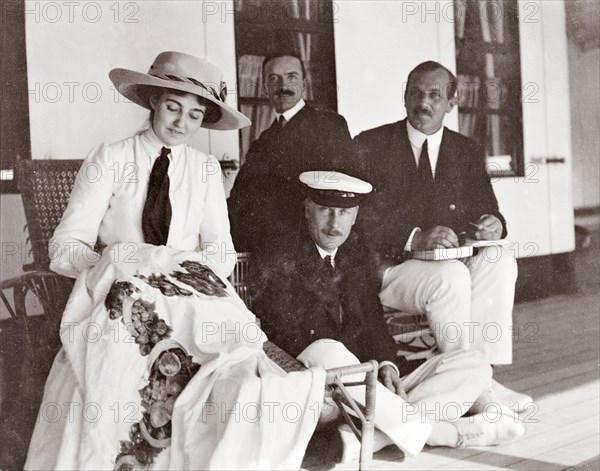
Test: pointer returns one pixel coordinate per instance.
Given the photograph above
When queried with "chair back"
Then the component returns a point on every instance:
(45, 186)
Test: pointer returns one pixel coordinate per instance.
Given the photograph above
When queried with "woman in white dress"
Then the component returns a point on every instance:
(162, 364)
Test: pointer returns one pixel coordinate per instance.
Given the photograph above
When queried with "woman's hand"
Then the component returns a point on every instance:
(391, 380)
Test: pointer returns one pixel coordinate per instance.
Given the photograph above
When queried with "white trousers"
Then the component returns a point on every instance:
(468, 303)
(441, 389)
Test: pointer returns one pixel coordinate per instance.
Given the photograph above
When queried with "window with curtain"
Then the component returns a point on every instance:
(265, 26)
(489, 80)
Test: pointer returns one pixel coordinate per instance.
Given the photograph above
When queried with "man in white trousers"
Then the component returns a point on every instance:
(317, 298)
(433, 190)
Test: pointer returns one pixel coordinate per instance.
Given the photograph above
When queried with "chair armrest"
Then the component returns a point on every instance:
(51, 289)
(20, 286)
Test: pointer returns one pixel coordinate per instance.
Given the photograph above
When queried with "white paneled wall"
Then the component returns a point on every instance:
(539, 207)
(71, 47)
(377, 43)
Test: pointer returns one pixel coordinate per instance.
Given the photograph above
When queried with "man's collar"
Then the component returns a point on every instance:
(289, 114)
(417, 138)
(323, 253)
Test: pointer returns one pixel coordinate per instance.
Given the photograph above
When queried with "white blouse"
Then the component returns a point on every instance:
(108, 198)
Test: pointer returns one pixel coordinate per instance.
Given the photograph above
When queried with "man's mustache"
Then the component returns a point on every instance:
(285, 92)
(333, 233)
(421, 110)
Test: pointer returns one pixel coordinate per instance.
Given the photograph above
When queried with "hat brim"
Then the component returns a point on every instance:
(130, 83)
(334, 199)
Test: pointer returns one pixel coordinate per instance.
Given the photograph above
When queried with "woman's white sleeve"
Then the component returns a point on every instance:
(71, 248)
(215, 238)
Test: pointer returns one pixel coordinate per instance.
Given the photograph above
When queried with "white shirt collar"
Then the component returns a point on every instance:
(289, 114)
(323, 253)
(417, 138)
(152, 144)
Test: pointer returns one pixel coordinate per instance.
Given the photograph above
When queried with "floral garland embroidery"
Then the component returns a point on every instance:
(170, 373)
(173, 368)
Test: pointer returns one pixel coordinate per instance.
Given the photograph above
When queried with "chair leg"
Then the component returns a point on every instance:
(368, 426)
(365, 414)
(19, 294)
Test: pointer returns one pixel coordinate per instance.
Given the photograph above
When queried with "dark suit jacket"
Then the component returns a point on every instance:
(299, 299)
(463, 191)
(266, 202)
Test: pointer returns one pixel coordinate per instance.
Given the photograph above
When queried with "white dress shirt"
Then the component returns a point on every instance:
(289, 114)
(417, 139)
(109, 194)
(323, 253)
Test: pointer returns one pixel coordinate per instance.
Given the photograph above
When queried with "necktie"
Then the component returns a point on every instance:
(156, 217)
(424, 170)
(340, 311)
(278, 123)
(426, 186)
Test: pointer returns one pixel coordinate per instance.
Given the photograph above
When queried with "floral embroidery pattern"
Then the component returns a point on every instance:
(198, 276)
(170, 373)
(141, 321)
(172, 368)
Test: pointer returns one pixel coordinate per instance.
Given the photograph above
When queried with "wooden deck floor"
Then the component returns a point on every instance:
(558, 367)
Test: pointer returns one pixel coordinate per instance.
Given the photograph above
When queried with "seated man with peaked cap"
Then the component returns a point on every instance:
(317, 298)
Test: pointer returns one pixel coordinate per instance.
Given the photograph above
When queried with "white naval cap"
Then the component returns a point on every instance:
(334, 189)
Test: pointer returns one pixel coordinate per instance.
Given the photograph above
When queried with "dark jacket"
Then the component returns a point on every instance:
(266, 202)
(463, 191)
(300, 299)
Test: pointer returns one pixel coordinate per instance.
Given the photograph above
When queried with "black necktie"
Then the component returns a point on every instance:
(339, 313)
(278, 123)
(426, 185)
(424, 170)
(156, 217)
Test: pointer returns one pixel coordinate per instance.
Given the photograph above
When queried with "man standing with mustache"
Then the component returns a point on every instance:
(264, 204)
(432, 186)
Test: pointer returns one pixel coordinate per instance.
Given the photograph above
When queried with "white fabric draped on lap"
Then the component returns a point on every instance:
(240, 411)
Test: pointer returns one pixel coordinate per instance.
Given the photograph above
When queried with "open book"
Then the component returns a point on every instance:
(445, 254)
(486, 243)
(470, 249)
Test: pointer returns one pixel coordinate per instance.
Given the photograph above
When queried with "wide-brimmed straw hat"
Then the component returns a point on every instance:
(179, 71)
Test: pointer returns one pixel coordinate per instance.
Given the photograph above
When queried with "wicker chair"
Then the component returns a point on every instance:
(45, 187)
